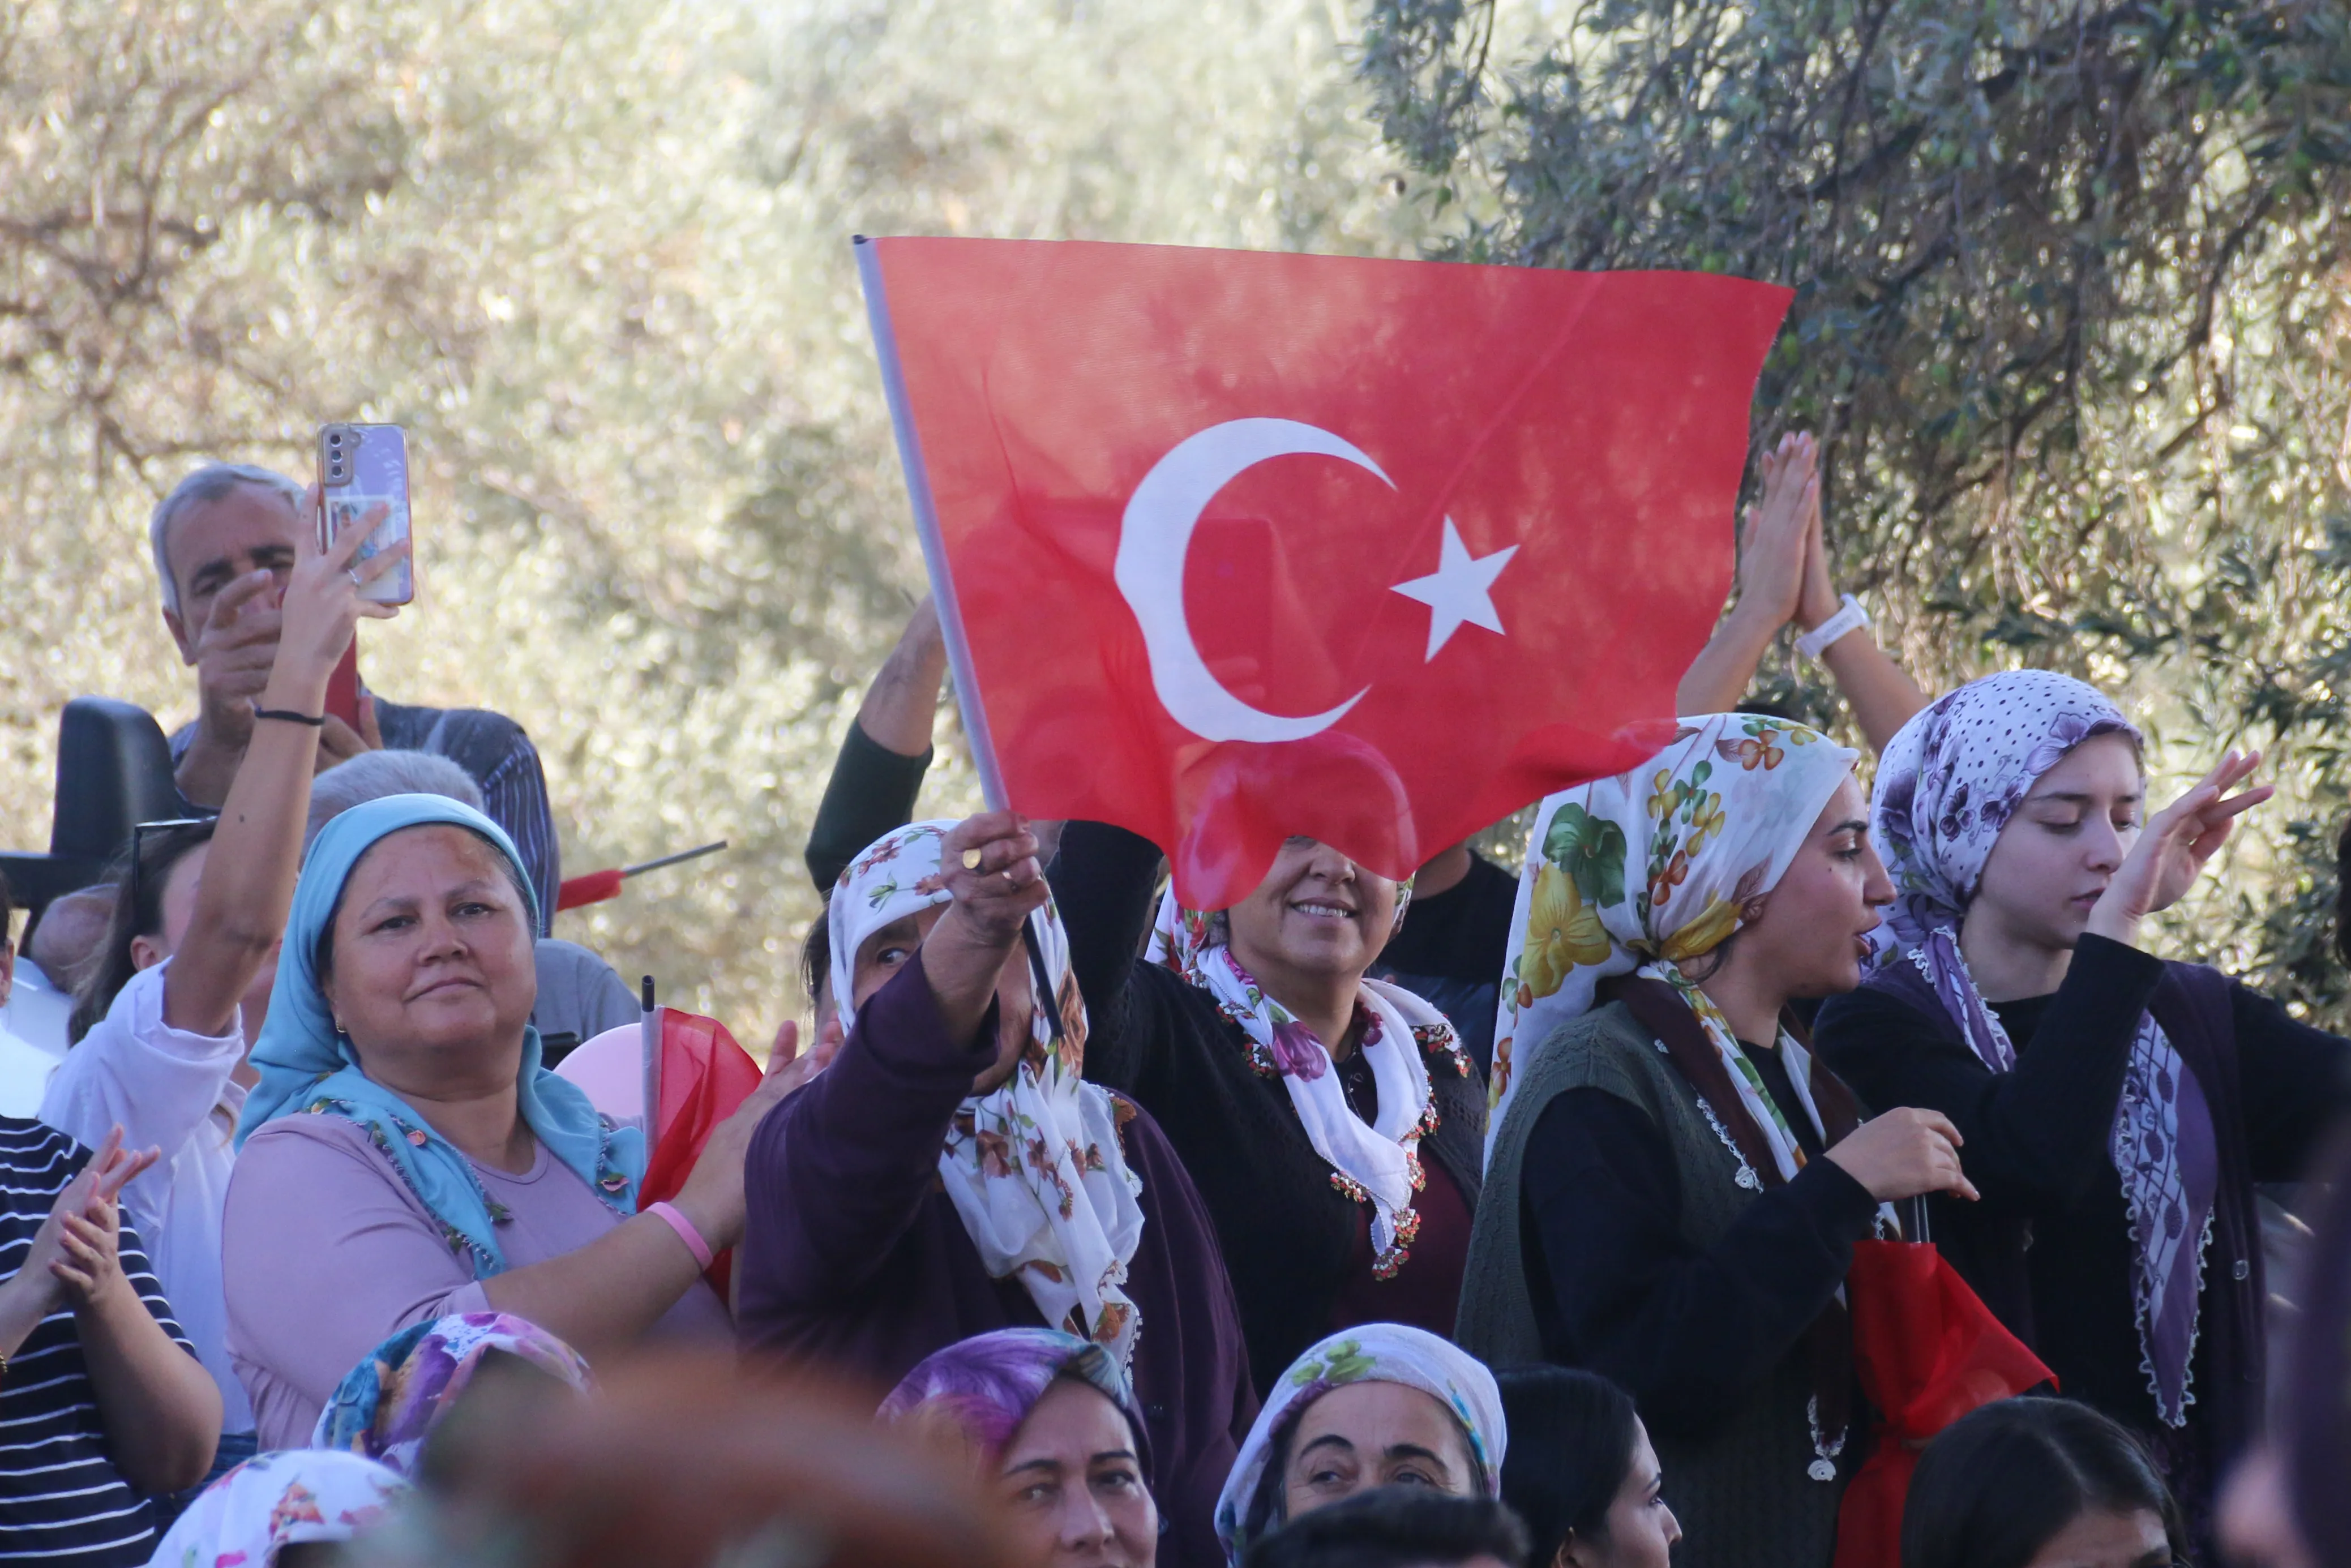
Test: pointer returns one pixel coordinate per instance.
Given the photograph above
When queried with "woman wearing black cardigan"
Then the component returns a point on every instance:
(1333, 1125)
(2117, 1110)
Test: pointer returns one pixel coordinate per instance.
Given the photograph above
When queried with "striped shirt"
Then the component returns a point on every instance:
(62, 1501)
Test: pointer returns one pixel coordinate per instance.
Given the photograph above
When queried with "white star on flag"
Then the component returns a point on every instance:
(1461, 589)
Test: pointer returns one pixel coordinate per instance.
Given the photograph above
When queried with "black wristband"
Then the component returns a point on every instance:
(288, 716)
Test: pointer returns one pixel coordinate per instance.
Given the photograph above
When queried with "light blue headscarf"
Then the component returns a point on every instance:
(305, 1066)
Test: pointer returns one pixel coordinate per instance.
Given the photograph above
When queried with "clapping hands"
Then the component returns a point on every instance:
(78, 1245)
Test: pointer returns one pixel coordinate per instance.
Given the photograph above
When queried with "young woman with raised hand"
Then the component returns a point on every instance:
(1676, 1184)
(405, 1155)
(1331, 1123)
(2116, 1109)
(191, 953)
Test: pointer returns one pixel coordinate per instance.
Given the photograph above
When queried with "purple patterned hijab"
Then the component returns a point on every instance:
(1948, 784)
(387, 1405)
(984, 1387)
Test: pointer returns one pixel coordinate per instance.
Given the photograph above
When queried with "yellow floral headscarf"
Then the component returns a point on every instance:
(1654, 867)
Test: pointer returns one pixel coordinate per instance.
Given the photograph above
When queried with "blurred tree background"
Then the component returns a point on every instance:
(2071, 317)
(594, 253)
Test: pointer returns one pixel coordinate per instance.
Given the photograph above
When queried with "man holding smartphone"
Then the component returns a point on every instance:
(223, 542)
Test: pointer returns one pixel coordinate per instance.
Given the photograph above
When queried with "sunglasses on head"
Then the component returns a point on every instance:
(139, 851)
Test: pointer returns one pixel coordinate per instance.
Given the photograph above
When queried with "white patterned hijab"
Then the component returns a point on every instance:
(1034, 1167)
(1368, 1353)
(1376, 1163)
(1948, 783)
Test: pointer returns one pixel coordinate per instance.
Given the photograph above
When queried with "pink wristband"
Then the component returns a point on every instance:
(685, 1232)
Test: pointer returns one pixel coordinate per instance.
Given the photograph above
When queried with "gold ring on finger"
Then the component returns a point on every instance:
(971, 859)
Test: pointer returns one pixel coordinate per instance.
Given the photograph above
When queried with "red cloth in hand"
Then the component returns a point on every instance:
(704, 1079)
(1928, 1351)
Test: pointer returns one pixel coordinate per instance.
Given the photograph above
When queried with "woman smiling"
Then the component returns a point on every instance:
(405, 1156)
(1331, 1123)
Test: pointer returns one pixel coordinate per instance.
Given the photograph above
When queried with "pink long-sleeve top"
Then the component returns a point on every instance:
(326, 1254)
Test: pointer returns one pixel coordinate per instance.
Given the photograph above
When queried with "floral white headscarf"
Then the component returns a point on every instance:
(275, 1501)
(1034, 1167)
(1950, 779)
(1368, 1353)
(1376, 1163)
(1640, 872)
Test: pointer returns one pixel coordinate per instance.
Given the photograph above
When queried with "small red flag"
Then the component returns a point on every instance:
(704, 1078)
(1927, 1352)
(1232, 546)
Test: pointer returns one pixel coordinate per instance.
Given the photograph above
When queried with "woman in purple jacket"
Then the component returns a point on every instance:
(951, 1172)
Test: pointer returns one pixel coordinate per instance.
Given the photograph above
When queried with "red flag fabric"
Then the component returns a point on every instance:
(594, 887)
(1928, 1351)
(704, 1079)
(1230, 546)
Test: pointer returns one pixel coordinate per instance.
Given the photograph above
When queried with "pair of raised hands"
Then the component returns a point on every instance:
(1783, 568)
(75, 1257)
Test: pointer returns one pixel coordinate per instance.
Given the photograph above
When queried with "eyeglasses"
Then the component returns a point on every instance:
(139, 851)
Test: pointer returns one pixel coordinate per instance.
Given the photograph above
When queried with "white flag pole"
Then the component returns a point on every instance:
(927, 526)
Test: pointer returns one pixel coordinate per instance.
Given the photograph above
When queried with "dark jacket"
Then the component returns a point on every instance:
(853, 1256)
(2048, 1248)
(1292, 1239)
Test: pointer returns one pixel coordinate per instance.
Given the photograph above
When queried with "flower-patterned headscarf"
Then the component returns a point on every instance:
(1368, 1352)
(275, 1501)
(1034, 1166)
(1950, 779)
(384, 1406)
(1376, 1164)
(984, 1387)
(1644, 871)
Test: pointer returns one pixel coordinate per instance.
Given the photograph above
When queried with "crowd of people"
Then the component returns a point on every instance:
(1481, 1218)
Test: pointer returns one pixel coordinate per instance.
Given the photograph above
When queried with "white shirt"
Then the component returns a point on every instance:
(37, 1011)
(24, 1071)
(170, 1089)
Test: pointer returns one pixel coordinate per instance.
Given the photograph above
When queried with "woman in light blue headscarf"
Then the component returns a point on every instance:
(405, 1156)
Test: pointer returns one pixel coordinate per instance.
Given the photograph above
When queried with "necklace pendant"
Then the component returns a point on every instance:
(1821, 1470)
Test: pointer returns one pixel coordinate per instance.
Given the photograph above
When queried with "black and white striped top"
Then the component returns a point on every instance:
(62, 1502)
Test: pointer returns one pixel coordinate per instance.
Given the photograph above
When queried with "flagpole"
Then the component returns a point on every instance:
(927, 526)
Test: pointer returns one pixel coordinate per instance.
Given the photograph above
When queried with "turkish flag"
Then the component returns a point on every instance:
(1230, 546)
(703, 1078)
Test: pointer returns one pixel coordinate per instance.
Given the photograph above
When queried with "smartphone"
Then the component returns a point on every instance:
(360, 465)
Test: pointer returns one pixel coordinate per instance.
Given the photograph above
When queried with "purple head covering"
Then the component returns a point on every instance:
(1948, 783)
(986, 1386)
(388, 1403)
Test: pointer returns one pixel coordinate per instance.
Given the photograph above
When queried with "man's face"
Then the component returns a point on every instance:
(213, 543)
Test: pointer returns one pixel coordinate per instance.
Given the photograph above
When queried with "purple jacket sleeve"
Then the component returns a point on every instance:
(835, 1174)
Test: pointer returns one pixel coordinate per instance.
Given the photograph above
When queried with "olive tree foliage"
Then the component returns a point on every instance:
(2069, 315)
(593, 255)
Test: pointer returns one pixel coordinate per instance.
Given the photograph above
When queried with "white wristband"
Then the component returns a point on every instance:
(1851, 618)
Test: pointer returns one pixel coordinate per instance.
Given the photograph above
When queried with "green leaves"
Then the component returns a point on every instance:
(1591, 850)
(2068, 320)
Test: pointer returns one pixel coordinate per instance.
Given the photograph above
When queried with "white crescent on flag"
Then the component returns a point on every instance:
(1154, 537)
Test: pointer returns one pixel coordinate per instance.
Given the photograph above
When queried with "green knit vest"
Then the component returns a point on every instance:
(1740, 1491)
